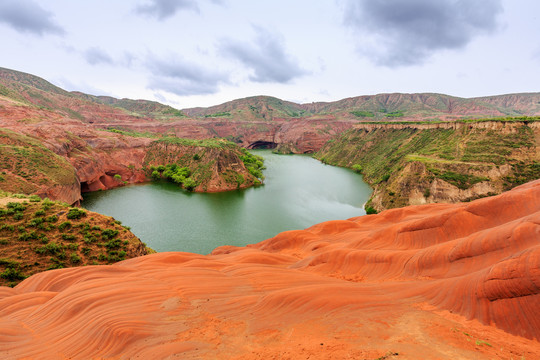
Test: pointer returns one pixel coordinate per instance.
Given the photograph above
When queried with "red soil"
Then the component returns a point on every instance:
(438, 281)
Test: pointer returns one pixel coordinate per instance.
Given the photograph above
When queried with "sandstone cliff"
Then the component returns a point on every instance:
(435, 281)
(418, 163)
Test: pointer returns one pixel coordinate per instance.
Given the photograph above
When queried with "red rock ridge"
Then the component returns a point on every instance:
(401, 282)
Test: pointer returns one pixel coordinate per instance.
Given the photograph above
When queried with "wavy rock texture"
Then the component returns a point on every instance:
(440, 281)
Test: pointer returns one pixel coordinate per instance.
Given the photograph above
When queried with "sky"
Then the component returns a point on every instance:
(189, 53)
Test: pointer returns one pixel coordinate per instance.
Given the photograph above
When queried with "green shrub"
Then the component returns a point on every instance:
(109, 234)
(156, 175)
(89, 239)
(370, 210)
(34, 198)
(65, 225)
(75, 258)
(75, 213)
(39, 213)
(16, 206)
(12, 274)
(28, 236)
(190, 184)
(113, 243)
(36, 222)
(52, 218)
(68, 237)
(51, 248)
(357, 168)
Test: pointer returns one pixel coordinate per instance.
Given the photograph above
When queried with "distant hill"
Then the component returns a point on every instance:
(386, 107)
(251, 108)
(35, 91)
(38, 93)
(146, 108)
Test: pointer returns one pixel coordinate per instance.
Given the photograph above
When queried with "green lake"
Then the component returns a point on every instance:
(299, 191)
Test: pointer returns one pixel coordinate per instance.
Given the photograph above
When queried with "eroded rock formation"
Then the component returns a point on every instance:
(441, 281)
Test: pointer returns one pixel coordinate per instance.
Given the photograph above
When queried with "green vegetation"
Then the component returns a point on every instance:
(131, 133)
(394, 114)
(462, 181)
(254, 164)
(175, 174)
(207, 143)
(218, 114)
(30, 242)
(194, 164)
(362, 113)
(139, 108)
(370, 210)
(75, 213)
(26, 165)
(412, 157)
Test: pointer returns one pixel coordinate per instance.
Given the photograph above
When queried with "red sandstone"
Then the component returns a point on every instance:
(437, 281)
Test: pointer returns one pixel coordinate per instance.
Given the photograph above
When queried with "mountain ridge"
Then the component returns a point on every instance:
(387, 106)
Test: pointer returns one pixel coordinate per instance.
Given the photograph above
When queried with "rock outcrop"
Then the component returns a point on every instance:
(435, 281)
(419, 163)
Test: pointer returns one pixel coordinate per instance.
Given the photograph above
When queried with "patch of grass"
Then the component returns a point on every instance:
(218, 114)
(482, 342)
(362, 113)
(208, 143)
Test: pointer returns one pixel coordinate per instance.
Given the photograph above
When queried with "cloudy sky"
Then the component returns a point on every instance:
(190, 53)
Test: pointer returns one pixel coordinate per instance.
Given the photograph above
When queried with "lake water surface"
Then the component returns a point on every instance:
(299, 191)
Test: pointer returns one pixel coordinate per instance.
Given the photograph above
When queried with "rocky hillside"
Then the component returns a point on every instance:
(254, 108)
(381, 107)
(38, 235)
(429, 107)
(81, 159)
(203, 165)
(26, 166)
(437, 281)
(418, 163)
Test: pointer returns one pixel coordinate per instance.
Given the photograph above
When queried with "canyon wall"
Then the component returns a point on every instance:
(418, 163)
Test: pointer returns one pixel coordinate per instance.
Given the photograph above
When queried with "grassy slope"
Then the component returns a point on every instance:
(35, 91)
(461, 157)
(38, 235)
(256, 108)
(26, 166)
(146, 108)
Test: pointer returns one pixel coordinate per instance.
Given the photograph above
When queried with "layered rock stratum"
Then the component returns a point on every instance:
(437, 281)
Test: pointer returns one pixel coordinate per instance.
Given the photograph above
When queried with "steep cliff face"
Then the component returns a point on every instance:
(214, 165)
(443, 162)
(436, 281)
(29, 167)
